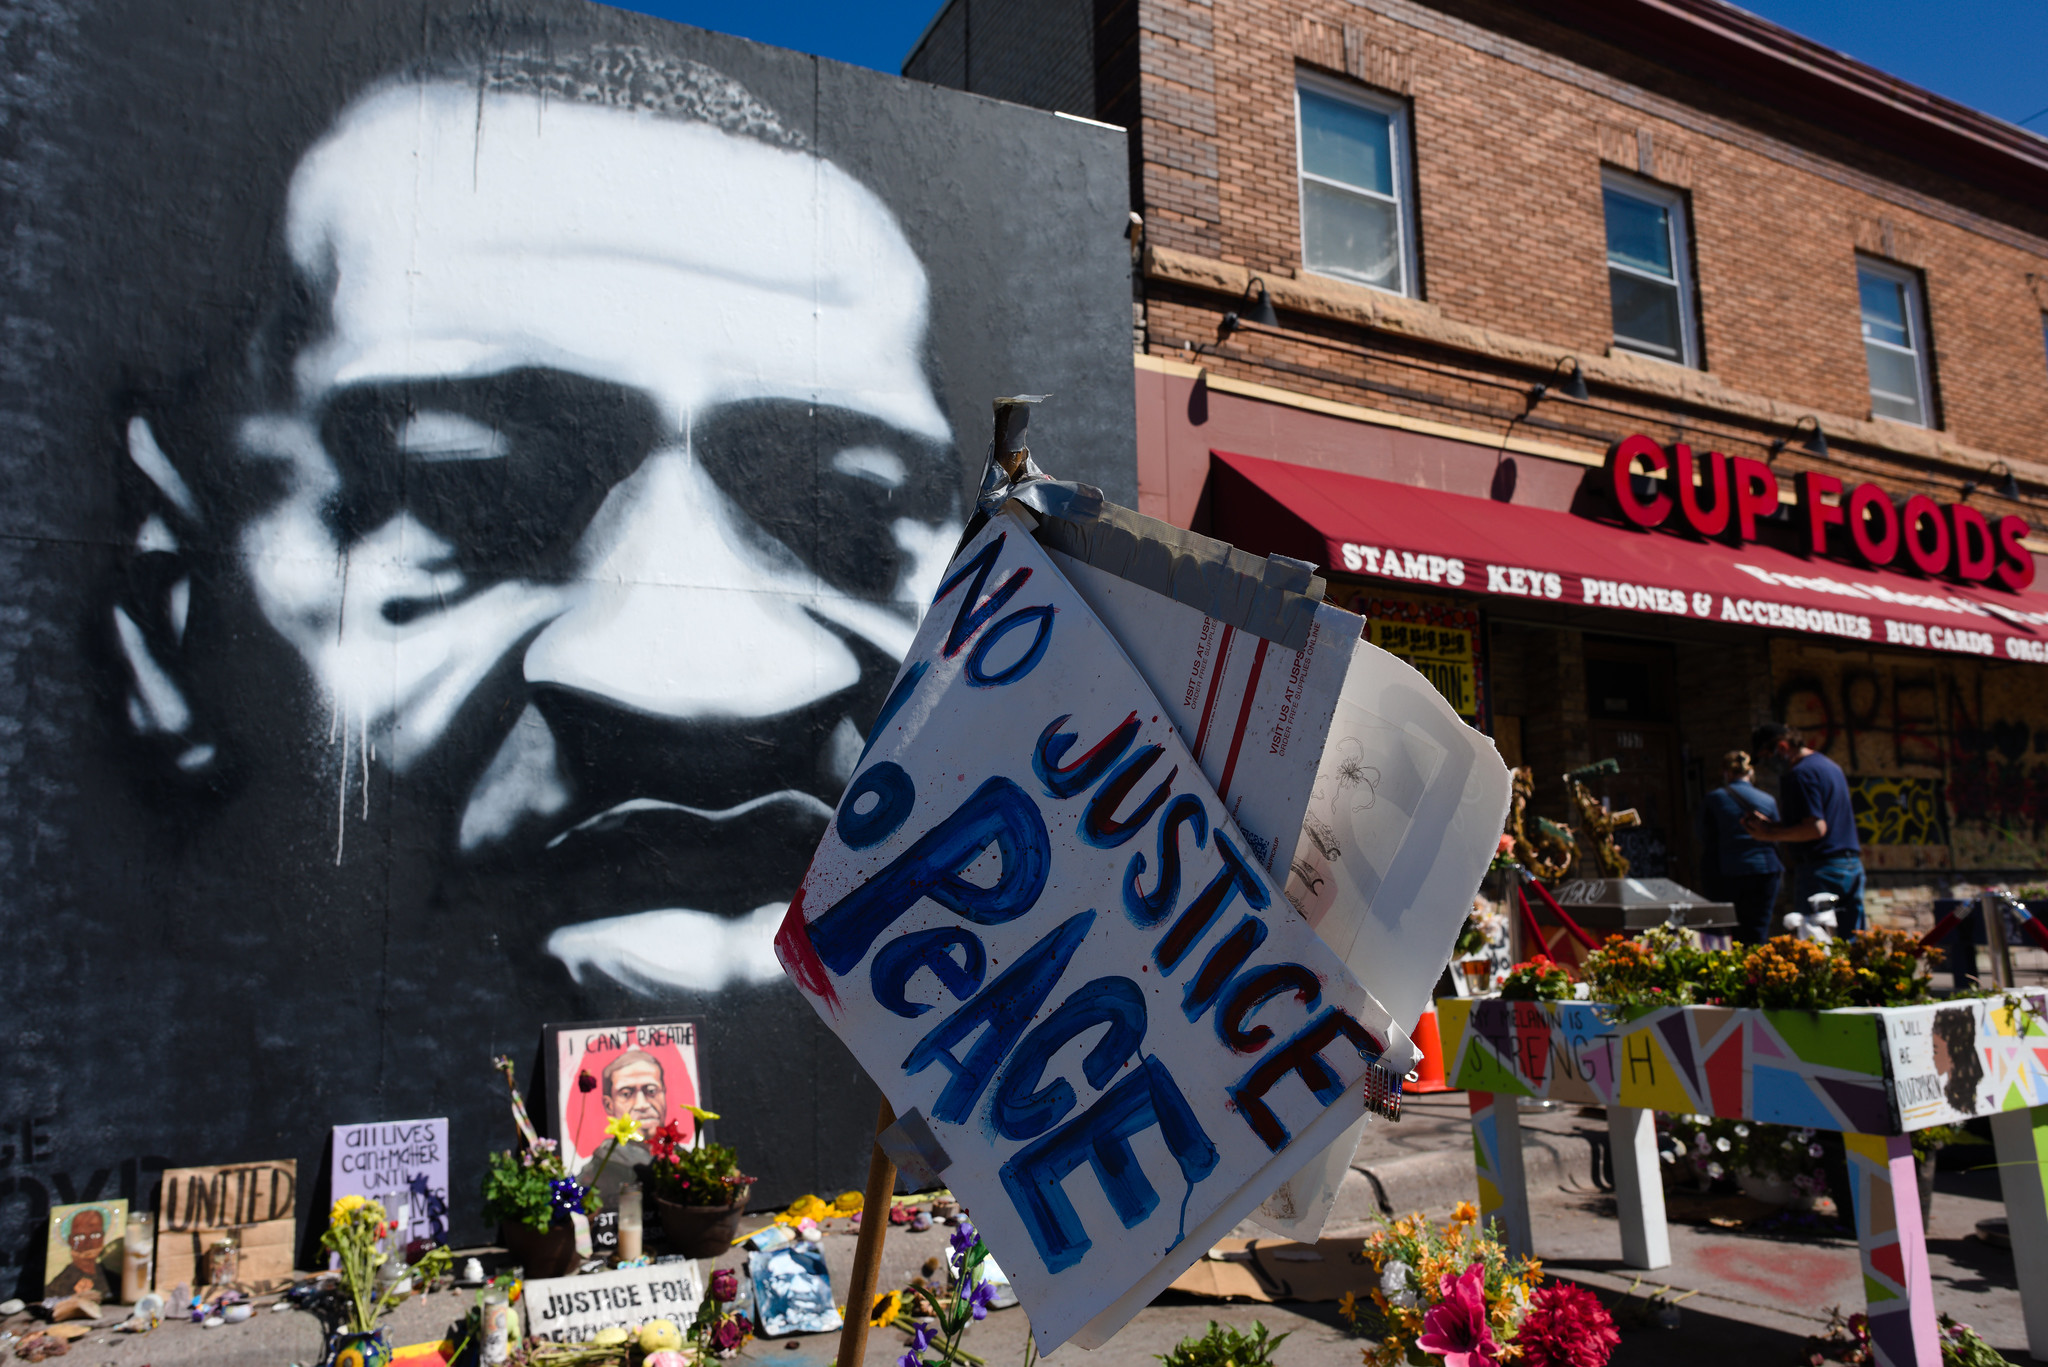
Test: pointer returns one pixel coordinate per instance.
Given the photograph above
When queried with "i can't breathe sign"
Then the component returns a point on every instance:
(1038, 929)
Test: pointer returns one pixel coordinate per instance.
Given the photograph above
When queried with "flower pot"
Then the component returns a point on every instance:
(1774, 1191)
(361, 1350)
(700, 1231)
(542, 1252)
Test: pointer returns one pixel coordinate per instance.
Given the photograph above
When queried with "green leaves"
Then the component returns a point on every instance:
(1225, 1347)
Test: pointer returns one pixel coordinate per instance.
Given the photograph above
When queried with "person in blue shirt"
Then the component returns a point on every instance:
(1740, 868)
(1815, 815)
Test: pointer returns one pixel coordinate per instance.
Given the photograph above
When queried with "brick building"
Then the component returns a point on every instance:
(1407, 276)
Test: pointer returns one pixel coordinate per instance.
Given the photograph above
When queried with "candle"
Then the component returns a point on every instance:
(138, 1257)
(631, 1217)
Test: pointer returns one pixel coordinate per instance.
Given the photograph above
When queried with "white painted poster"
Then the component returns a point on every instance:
(572, 1309)
(1037, 927)
(401, 1163)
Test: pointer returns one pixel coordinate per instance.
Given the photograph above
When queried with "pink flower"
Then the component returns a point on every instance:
(1455, 1329)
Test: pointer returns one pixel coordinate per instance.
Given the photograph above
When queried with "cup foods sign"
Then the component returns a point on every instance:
(1722, 498)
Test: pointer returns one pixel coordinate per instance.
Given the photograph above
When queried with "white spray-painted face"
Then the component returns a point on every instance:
(622, 417)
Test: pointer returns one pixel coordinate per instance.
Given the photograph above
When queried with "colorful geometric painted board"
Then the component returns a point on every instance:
(1876, 1074)
(1877, 1070)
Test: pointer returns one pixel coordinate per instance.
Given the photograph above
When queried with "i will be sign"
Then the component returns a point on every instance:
(1040, 931)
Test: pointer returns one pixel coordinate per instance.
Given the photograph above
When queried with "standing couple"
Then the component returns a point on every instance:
(1741, 826)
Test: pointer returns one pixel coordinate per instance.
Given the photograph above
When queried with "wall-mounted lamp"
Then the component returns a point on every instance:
(1815, 441)
(1574, 384)
(2008, 487)
(1250, 309)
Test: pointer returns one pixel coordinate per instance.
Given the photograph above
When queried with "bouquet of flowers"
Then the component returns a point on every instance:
(706, 1175)
(1455, 1294)
(355, 1228)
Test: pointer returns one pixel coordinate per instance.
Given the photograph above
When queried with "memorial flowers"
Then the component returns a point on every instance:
(718, 1330)
(1454, 1294)
(1667, 967)
(356, 1226)
(941, 1317)
(706, 1175)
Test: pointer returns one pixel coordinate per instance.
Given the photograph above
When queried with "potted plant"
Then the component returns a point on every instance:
(356, 1229)
(699, 1192)
(533, 1197)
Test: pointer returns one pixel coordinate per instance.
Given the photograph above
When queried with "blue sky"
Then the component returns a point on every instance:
(1987, 53)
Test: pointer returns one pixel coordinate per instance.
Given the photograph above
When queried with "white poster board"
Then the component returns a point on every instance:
(572, 1309)
(383, 1160)
(1037, 928)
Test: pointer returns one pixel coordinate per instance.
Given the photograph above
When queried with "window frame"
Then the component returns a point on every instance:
(1402, 154)
(1679, 206)
(1916, 331)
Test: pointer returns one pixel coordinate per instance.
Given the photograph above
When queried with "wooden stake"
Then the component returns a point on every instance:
(867, 1253)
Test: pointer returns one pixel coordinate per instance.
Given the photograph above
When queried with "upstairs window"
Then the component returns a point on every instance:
(1894, 341)
(1357, 210)
(1649, 274)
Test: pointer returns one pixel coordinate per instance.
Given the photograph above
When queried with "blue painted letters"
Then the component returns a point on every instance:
(997, 812)
(1023, 1109)
(998, 1015)
(899, 960)
(1053, 744)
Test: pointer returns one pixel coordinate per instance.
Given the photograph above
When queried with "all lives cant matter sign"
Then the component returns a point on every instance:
(392, 1160)
(1038, 929)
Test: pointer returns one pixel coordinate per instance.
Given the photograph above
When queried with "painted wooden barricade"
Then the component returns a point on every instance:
(1874, 1074)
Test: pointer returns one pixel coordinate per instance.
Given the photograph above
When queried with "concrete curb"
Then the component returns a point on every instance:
(1434, 1181)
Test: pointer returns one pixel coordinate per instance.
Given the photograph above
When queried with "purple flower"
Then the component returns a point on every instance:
(566, 1195)
(725, 1285)
(982, 1299)
(963, 1237)
(909, 1359)
(921, 1336)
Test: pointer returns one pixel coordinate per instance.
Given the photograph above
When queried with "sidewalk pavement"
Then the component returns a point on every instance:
(1754, 1296)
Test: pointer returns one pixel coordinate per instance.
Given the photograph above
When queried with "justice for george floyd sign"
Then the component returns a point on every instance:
(1039, 930)
(571, 1309)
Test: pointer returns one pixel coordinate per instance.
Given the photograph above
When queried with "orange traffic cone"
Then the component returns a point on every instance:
(1429, 1070)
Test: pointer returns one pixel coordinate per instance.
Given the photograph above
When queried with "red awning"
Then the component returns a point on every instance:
(1430, 539)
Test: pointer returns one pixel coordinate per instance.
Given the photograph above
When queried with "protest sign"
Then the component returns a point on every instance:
(1326, 753)
(572, 1309)
(1042, 934)
(403, 1165)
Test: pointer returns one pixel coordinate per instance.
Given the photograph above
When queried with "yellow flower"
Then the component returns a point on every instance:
(887, 1308)
(1347, 1306)
(700, 1113)
(348, 1206)
(624, 1129)
(1464, 1214)
(848, 1202)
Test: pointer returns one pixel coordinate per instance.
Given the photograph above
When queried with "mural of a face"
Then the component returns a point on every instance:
(608, 484)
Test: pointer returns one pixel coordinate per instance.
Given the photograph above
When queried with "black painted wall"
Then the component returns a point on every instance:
(416, 576)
